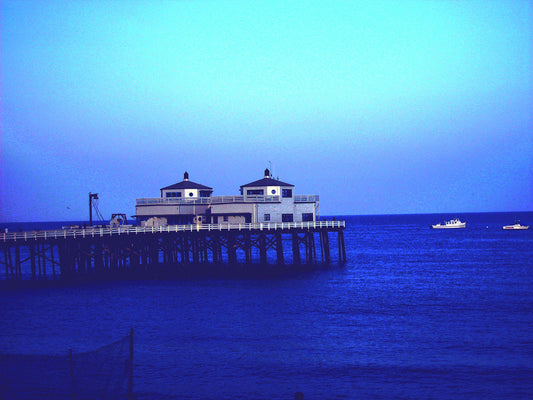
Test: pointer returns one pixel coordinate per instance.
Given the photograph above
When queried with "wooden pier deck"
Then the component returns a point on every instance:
(134, 250)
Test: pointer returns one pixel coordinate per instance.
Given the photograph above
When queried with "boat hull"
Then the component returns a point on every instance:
(451, 224)
(515, 227)
(458, 226)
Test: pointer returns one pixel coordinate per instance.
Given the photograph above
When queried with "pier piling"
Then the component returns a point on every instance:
(133, 251)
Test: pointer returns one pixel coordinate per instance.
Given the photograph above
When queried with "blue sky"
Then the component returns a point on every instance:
(377, 106)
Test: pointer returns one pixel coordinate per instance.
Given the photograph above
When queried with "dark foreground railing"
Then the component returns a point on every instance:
(102, 374)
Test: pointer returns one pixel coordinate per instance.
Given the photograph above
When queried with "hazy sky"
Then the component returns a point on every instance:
(377, 106)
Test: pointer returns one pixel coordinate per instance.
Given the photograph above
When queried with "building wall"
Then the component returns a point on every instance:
(287, 206)
(163, 210)
(235, 213)
(253, 210)
(185, 193)
(232, 208)
(267, 190)
(257, 211)
(229, 219)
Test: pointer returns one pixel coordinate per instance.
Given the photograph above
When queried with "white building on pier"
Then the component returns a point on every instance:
(264, 200)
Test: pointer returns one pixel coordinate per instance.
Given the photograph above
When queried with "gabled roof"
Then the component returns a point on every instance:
(267, 182)
(187, 185)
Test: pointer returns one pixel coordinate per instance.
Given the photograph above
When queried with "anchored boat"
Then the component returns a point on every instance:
(452, 224)
(516, 226)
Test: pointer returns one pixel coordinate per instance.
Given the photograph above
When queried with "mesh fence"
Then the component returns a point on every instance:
(100, 374)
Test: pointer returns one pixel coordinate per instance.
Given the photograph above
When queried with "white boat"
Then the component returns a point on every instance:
(452, 224)
(516, 226)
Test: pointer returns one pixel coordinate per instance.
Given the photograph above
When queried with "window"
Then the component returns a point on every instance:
(205, 193)
(191, 194)
(286, 192)
(255, 192)
(267, 217)
(273, 191)
(286, 218)
(225, 218)
(173, 194)
(307, 217)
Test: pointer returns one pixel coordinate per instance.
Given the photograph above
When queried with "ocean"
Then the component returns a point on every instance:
(415, 313)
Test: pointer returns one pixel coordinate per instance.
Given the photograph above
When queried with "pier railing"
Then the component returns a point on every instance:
(223, 200)
(132, 230)
(306, 198)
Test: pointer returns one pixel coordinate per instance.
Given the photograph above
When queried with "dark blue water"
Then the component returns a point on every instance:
(415, 313)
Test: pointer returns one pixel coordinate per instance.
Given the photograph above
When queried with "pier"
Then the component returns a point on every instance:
(135, 251)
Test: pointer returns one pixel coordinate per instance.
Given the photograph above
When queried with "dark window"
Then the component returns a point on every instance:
(286, 192)
(307, 216)
(205, 193)
(225, 218)
(254, 192)
(286, 217)
(273, 191)
(267, 217)
(173, 194)
(191, 194)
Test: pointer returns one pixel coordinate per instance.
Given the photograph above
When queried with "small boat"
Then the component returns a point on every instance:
(516, 226)
(452, 224)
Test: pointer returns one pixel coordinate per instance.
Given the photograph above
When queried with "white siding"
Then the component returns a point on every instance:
(287, 206)
(267, 190)
(158, 210)
(232, 208)
(185, 193)
(254, 205)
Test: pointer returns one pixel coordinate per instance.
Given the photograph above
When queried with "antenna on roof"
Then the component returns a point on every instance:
(270, 168)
